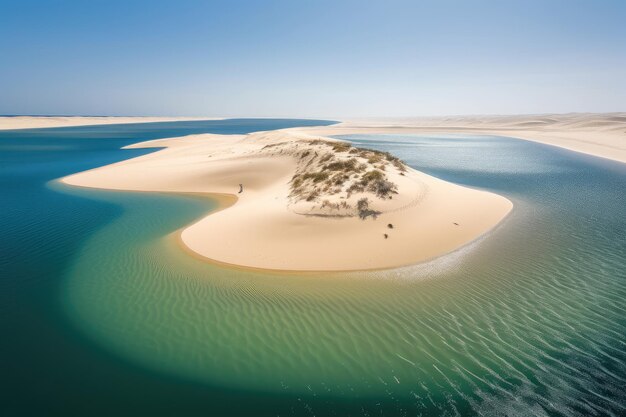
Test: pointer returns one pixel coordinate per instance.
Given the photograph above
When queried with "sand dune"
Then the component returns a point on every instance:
(300, 206)
(34, 122)
(598, 134)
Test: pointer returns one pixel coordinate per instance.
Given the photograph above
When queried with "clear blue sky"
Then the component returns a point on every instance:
(312, 58)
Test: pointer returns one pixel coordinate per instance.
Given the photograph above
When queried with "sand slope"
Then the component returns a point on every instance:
(267, 227)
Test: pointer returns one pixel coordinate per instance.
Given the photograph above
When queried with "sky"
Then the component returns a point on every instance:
(305, 58)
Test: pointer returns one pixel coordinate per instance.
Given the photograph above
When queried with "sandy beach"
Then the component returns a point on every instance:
(35, 122)
(277, 225)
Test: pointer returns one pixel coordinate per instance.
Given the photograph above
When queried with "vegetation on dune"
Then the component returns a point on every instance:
(351, 165)
(328, 168)
(341, 147)
(315, 176)
(374, 181)
(336, 206)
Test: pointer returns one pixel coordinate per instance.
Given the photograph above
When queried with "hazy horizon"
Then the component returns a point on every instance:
(321, 59)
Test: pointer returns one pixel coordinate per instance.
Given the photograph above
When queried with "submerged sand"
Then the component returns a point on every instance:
(268, 227)
(36, 122)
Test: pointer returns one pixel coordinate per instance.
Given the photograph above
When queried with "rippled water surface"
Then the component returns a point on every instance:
(529, 320)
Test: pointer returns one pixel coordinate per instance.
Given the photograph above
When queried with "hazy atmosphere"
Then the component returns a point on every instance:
(311, 59)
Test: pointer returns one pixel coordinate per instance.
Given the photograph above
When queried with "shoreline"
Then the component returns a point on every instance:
(262, 229)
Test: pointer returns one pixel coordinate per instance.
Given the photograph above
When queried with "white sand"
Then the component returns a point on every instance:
(265, 227)
(34, 122)
(598, 134)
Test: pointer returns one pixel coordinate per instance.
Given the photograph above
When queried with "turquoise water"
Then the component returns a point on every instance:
(528, 320)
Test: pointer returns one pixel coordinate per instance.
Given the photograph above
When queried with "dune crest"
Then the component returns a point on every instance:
(305, 202)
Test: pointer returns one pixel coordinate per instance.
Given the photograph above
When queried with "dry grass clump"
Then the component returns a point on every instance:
(315, 176)
(363, 209)
(383, 188)
(375, 157)
(336, 206)
(374, 181)
(272, 145)
(350, 165)
(373, 175)
(312, 195)
(341, 147)
(339, 178)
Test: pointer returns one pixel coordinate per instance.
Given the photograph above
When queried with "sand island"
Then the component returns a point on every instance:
(295, 201)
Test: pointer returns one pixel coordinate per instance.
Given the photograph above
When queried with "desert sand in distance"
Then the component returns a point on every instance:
(598, 134)
(268, 228)
(36, 122)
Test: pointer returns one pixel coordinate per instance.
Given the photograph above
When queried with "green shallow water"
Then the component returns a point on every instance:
(527, 320)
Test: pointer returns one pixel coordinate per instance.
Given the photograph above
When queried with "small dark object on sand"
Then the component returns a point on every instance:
(390, 226)
(386, 235)
(240, 188)
(455, 223)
